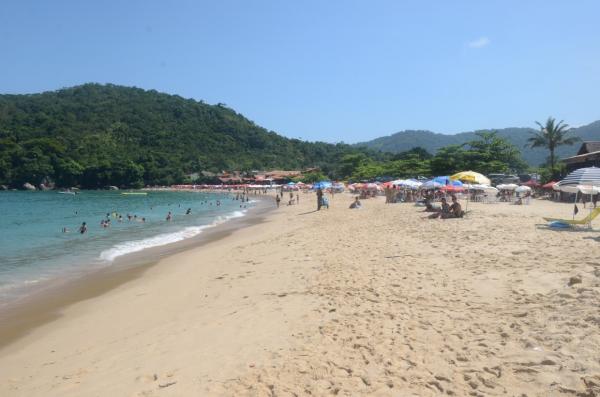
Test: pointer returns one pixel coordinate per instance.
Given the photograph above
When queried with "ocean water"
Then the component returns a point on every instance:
(34, 248)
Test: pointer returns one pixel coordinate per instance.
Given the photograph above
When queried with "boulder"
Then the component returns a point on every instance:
(574, 280)
(113, 188)
(3, 187)
(28, 186)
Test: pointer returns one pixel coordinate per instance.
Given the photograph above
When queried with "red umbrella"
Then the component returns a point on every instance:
(549, 185)
(531, 183)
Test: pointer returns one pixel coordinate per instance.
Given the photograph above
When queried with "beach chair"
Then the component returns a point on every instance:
(585, 221)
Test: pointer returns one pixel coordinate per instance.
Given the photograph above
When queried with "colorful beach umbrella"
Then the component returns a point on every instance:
(583, 176)
(471, 177)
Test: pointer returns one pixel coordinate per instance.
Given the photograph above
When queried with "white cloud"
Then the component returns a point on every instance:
(479, 43)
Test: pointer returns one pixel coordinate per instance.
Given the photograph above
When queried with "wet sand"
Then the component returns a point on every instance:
(376, 301)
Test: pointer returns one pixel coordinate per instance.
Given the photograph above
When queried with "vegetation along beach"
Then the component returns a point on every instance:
(299, 199)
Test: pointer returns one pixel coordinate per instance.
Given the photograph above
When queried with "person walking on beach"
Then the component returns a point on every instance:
(319, 199)
(297, 198)
(277, 200)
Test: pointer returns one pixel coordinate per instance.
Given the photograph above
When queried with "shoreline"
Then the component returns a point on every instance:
(43, 305)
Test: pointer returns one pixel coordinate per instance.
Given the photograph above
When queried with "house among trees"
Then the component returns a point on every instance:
(587, 156)
(259, 177)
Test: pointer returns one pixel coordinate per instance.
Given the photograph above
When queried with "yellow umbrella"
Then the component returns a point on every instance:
(471, 177)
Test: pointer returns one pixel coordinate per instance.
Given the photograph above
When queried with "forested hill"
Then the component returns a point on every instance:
(405, 140)
(96, 135)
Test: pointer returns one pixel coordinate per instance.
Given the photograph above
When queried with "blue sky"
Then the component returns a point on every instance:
(322, 70)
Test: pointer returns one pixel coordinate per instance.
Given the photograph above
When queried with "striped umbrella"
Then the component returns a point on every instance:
(582, 176)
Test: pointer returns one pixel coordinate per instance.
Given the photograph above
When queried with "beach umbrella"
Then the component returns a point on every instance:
(471, 177)
(411, 183)
(531, 183)
(452, 188)
(322, 185)
(523, 189)
(408, 183)
(508, 186)
(583, 176)
(442, 180)
(584, 189)
(549, 185)
(432, 184)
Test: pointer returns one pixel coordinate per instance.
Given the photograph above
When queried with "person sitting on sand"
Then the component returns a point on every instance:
(444, 211)
(455, 209)
(428, 206)
(356, 204)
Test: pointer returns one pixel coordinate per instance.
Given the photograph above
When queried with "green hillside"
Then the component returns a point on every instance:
(405, 140)
(96, 135)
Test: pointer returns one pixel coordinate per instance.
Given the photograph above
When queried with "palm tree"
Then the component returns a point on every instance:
(551, 136)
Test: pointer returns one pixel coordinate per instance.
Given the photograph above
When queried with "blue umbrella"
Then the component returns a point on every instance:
(442, 180)
(322, 185)
(432, 184)
(445, 180)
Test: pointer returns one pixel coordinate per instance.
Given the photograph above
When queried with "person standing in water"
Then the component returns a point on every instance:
(169, 216)
(83, 228)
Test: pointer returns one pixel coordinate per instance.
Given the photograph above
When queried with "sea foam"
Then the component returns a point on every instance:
(129, 247)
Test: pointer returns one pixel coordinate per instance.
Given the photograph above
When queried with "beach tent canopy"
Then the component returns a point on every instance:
(549, 185)
(589, 176)
(523, 189)
(471, 177)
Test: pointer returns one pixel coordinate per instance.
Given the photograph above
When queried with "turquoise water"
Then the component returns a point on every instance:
(34, 248)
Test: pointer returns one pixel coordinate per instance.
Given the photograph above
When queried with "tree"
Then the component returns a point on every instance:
(551, 136)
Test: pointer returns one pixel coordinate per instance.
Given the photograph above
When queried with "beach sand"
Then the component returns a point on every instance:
(376, 301)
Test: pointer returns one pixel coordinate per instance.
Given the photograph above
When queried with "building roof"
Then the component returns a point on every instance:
(589, 147)
(582, 158)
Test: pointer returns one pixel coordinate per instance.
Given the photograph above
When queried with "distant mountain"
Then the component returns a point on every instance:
(405, 140)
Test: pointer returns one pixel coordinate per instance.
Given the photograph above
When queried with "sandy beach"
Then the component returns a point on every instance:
(376, 301)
